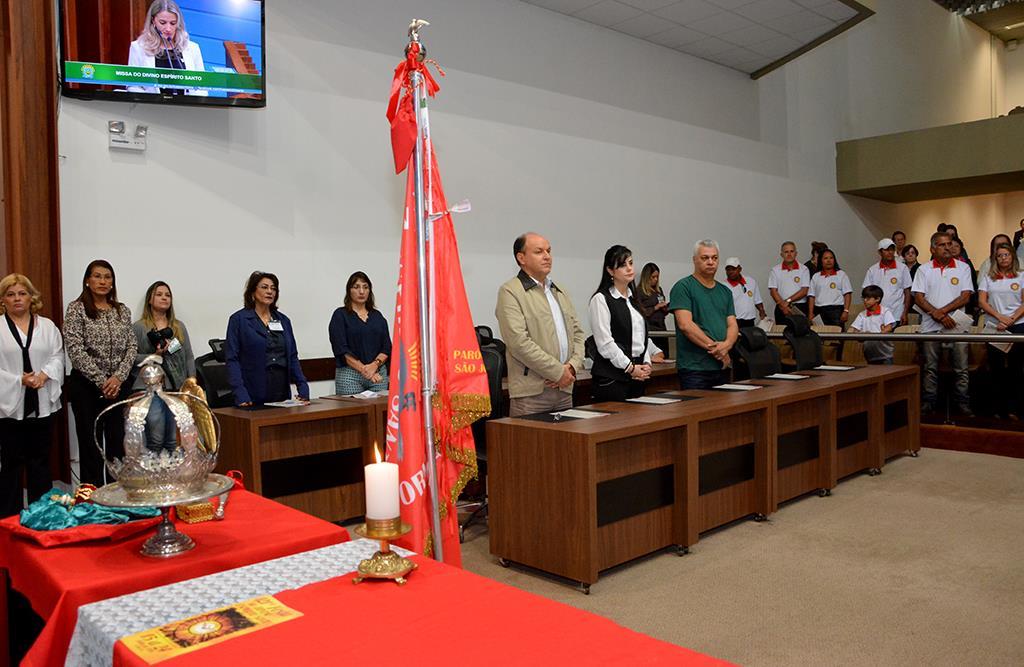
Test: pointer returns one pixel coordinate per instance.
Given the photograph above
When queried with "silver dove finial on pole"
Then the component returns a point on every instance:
(414, 29)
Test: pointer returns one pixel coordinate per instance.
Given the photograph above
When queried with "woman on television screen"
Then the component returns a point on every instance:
(164, 43)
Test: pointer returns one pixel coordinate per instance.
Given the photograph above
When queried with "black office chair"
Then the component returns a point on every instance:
(485, 337)
(494, 363)
(754, 356)
(217, 345)
(806, 344)
(212, 375)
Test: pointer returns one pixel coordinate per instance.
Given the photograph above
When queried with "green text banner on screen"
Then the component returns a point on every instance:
(79, 72)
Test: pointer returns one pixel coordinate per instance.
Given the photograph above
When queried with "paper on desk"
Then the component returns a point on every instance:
(765, 324)
(290, 403)
(653, 400)
(368, 394)
(580, 414)
(785, 376)
(817, 321)
(834, 368)
(738, 387)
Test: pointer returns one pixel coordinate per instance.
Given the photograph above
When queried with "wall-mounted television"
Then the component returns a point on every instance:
(198, 52)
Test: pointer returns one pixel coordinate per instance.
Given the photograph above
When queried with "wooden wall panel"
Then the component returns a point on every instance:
(28, 103)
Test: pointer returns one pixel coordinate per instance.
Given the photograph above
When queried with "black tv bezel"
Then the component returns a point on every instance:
(157, 98)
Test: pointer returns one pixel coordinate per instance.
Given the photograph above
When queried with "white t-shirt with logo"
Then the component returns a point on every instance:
(873, 323)
(828, 290)
(941, 286)
(1004, 294)
(745, 298)
(892, 282)
(789, 282)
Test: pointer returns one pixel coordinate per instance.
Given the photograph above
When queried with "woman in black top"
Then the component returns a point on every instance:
(360, 340)
(622, 361)
(910, 259)
(651, 301)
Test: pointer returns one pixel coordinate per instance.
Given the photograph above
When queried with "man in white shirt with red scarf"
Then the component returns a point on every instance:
(942, 287)
(746, 297)
(788, 283)
(893, 277)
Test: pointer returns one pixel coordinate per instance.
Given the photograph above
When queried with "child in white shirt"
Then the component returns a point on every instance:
(875, 318)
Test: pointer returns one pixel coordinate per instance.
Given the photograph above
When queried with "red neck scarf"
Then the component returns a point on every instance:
(887, 265)
(827, 273)
(790, 267)
(734, 283)
(877, 310)
(938, 265)
(1004, 276)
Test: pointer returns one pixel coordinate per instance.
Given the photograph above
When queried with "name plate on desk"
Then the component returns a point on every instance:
(571, 414)
(737, 387)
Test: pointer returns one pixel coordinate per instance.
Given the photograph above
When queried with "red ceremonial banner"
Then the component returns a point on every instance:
(461, 393)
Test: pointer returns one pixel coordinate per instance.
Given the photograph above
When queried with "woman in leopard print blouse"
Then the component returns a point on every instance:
(101, 346)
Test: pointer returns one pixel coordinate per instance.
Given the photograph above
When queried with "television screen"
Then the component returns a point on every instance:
(202, 52)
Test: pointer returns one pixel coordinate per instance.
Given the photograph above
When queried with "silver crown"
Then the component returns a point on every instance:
(164, 475)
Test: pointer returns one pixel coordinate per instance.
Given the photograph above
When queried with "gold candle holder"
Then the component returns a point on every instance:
(385, 564)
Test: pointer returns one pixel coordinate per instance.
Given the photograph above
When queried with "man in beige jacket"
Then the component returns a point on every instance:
(543, 337)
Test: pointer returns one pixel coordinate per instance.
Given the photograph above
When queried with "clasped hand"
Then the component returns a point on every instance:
(568, 377)
(34, 380)
(641, 372)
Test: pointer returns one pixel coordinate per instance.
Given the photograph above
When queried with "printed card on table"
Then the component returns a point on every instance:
(211, 627)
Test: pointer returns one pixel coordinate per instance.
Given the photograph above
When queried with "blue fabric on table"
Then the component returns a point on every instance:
(47, 514)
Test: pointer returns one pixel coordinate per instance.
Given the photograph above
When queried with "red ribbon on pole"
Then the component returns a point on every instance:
(401, 113)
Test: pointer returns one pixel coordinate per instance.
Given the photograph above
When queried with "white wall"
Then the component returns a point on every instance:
(546, 123)
(1013, 68)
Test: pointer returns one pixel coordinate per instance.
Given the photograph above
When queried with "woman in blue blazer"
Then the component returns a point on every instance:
(262, 358)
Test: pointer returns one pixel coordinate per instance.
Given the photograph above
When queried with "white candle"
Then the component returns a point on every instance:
(381, 490)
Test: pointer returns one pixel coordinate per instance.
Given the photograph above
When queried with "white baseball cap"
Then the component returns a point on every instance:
(884, 244)
(733, 261)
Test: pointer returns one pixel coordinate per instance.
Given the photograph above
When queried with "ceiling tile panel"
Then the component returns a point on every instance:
(836, 11)
(688, 11)
(765, 10)
(711, 46)
(721, 23)
(730, 4)
(607, 13)
(644, 26)
(563, 6)
(677, 36)
(752, 35)
(747, 35)
(796, 23)
(650, 5)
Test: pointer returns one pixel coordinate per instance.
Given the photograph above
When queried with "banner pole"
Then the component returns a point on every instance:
(426, 340)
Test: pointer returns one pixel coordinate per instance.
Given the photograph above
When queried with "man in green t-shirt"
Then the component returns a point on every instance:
(705, 322)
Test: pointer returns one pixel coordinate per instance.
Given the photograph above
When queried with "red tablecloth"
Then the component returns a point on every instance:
(442, 616)
(57, 581)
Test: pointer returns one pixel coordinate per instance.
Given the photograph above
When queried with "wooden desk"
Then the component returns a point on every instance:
(378, 408)
(664, 377)
(574, 498)
(310, 458)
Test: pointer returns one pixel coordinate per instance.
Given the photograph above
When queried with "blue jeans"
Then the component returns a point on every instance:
(930, 383)
(161, 429)
(701, 379)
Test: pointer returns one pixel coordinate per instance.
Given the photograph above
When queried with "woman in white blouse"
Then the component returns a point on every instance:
(999, 295)
(622, 361)
(31, 373)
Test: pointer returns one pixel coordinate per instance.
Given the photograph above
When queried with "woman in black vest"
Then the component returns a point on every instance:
(622, 360)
